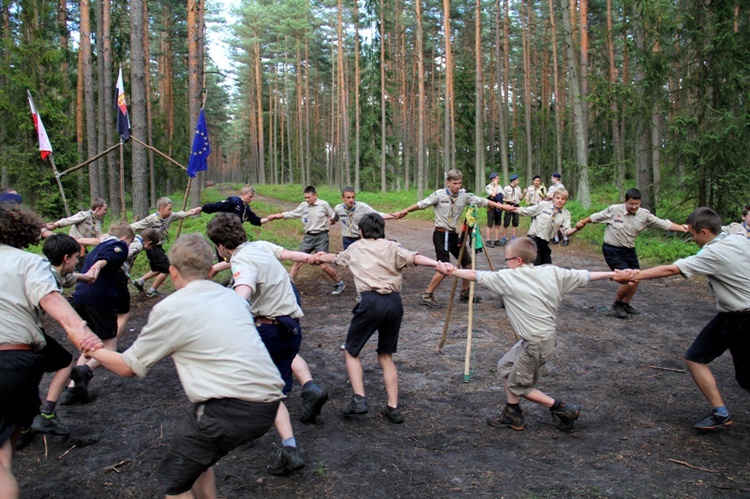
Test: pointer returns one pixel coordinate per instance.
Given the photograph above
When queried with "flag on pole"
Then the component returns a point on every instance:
(44, 145)
(201, 147)
(123, 120)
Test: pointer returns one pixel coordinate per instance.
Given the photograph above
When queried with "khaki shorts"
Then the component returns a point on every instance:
(520, 366)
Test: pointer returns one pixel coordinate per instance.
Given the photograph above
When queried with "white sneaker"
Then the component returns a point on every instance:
(338, 288)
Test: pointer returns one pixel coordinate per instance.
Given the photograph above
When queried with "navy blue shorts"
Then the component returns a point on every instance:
(157, 259)
(726, 331)
(348, 241)
(207, 434)
(123, 294)
(101, 320)
(20, 374)
(375, 312)
(619, 258)
(283, 348)
(510, 217)
(443, 255)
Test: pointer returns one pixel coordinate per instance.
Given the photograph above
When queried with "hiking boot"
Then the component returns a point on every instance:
(565, 242)
(152, 293)
(567, 413)
(509, 418)
(393, 415)
(49, 423)
(464, 297)
(501, 242)
(313, 398)
(555, 241)
(338, 288)
(138, 283)
(288, 460)
(714, 422)
(497, 243)
(81, 375)
(358, 405)
(489, 244)
(25, 438)
(630, 310)
(619, 308)
(429, 300)
(76, 394)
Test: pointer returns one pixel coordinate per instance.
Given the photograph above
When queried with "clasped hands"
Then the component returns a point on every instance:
(626, 276)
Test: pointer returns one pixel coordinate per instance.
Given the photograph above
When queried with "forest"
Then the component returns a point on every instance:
(383, 95)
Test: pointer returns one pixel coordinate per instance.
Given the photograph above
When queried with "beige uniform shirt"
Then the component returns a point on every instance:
(448, 208)
(256, 264)
(622, 227)
(377, 264)
(314, 216)
(553, 188)
(512, 194)
(534, 194)
(26, 279)
(532, 295)
(546, 220)
(737, 228)
(726, 263)
(63, 281)
(82, 225)
(208, 331)
(154, 221)
(350, 218)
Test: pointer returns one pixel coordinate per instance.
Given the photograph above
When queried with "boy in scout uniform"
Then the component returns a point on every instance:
(494, 217)
(532, 297)
(741, 228)
(316, 215)
(512, 196)
(624, 223)
(84, 224)
(377, 265)
(725, 260)
(449, 204)
(349, 213)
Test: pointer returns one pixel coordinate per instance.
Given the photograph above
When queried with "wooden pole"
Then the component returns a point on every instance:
(91, 160)
(158, 152)
(123, 209)
(59, 184)
(472, 286)
(453, 293)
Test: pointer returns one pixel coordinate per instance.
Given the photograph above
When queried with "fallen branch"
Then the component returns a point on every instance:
(668, 369)
(66, 452)
(114, 466)
(691, 466)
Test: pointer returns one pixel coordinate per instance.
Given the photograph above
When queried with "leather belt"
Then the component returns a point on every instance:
(743, 312)
(265, 320)
(440, 229)
(317, 232)
(21, 346)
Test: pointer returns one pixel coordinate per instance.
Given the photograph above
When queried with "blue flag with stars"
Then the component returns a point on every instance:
(201, 148)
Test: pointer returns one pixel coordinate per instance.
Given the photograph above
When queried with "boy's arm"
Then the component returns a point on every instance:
(468, 274)
(295, 256)
(218, 267)
(652, 273)
(60, 310)
(321, 257)
(404, 212)
(583, 223)
(425, 261)
(113, 361)
(600, 276)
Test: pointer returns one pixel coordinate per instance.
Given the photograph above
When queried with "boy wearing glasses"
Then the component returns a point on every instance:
(532, 297)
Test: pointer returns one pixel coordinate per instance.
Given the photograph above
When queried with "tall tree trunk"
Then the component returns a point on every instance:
(558, 91)
(89, 97)
(503, 70)
(308, 159)
(527, 104)
(581, 141)
(422, 114)
(479, 166)
(612, 77)
(80, 126)
(101, 121)
(450, 125)
(259, 110)
(149, 128)
(194, 79)
(357, 107)
(644, 170)
(113, 167)
(343, 105)
(138, 109)
(383, 124)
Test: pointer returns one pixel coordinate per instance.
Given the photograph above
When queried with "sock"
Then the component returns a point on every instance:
(289, 442)
(721, 411)
(49, 406)
(556, 405)
(151, 290)
(515, 407)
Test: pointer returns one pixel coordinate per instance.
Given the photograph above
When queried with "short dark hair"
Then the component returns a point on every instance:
(152, 235)
(227, 230)
(536, 177)
(310, 190)
(57, 246)
(745, 210)
(632, 194)
(97, 203)
(705, 218)
(372, 226)
(19, 226)
(348, 189)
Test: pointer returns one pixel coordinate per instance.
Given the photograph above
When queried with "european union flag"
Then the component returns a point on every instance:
(201, 148)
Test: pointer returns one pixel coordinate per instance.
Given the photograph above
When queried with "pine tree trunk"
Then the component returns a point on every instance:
(422, 114)
(479, 166)
(89, 97)
(113, 167)
(138, 110)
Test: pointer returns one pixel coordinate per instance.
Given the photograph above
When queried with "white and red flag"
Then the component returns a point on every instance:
(44, 145)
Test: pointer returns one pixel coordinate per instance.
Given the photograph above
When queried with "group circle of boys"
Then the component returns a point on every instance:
(238, 368)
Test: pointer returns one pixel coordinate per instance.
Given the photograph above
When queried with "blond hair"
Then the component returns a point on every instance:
(162, 202)
(523, 248)
(192, 256)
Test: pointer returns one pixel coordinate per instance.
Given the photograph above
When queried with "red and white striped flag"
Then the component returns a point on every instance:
(44, 145)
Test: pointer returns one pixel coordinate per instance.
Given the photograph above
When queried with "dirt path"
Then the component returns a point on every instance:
(634, 437)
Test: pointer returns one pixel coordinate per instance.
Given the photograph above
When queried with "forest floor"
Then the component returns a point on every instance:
(634, 438)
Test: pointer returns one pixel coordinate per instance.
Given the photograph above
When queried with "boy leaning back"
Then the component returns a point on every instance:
(157, 258)
(223, 367)
(532, 297)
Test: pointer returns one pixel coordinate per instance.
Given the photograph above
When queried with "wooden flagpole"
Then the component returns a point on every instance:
(123, 208)
(59, 184)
